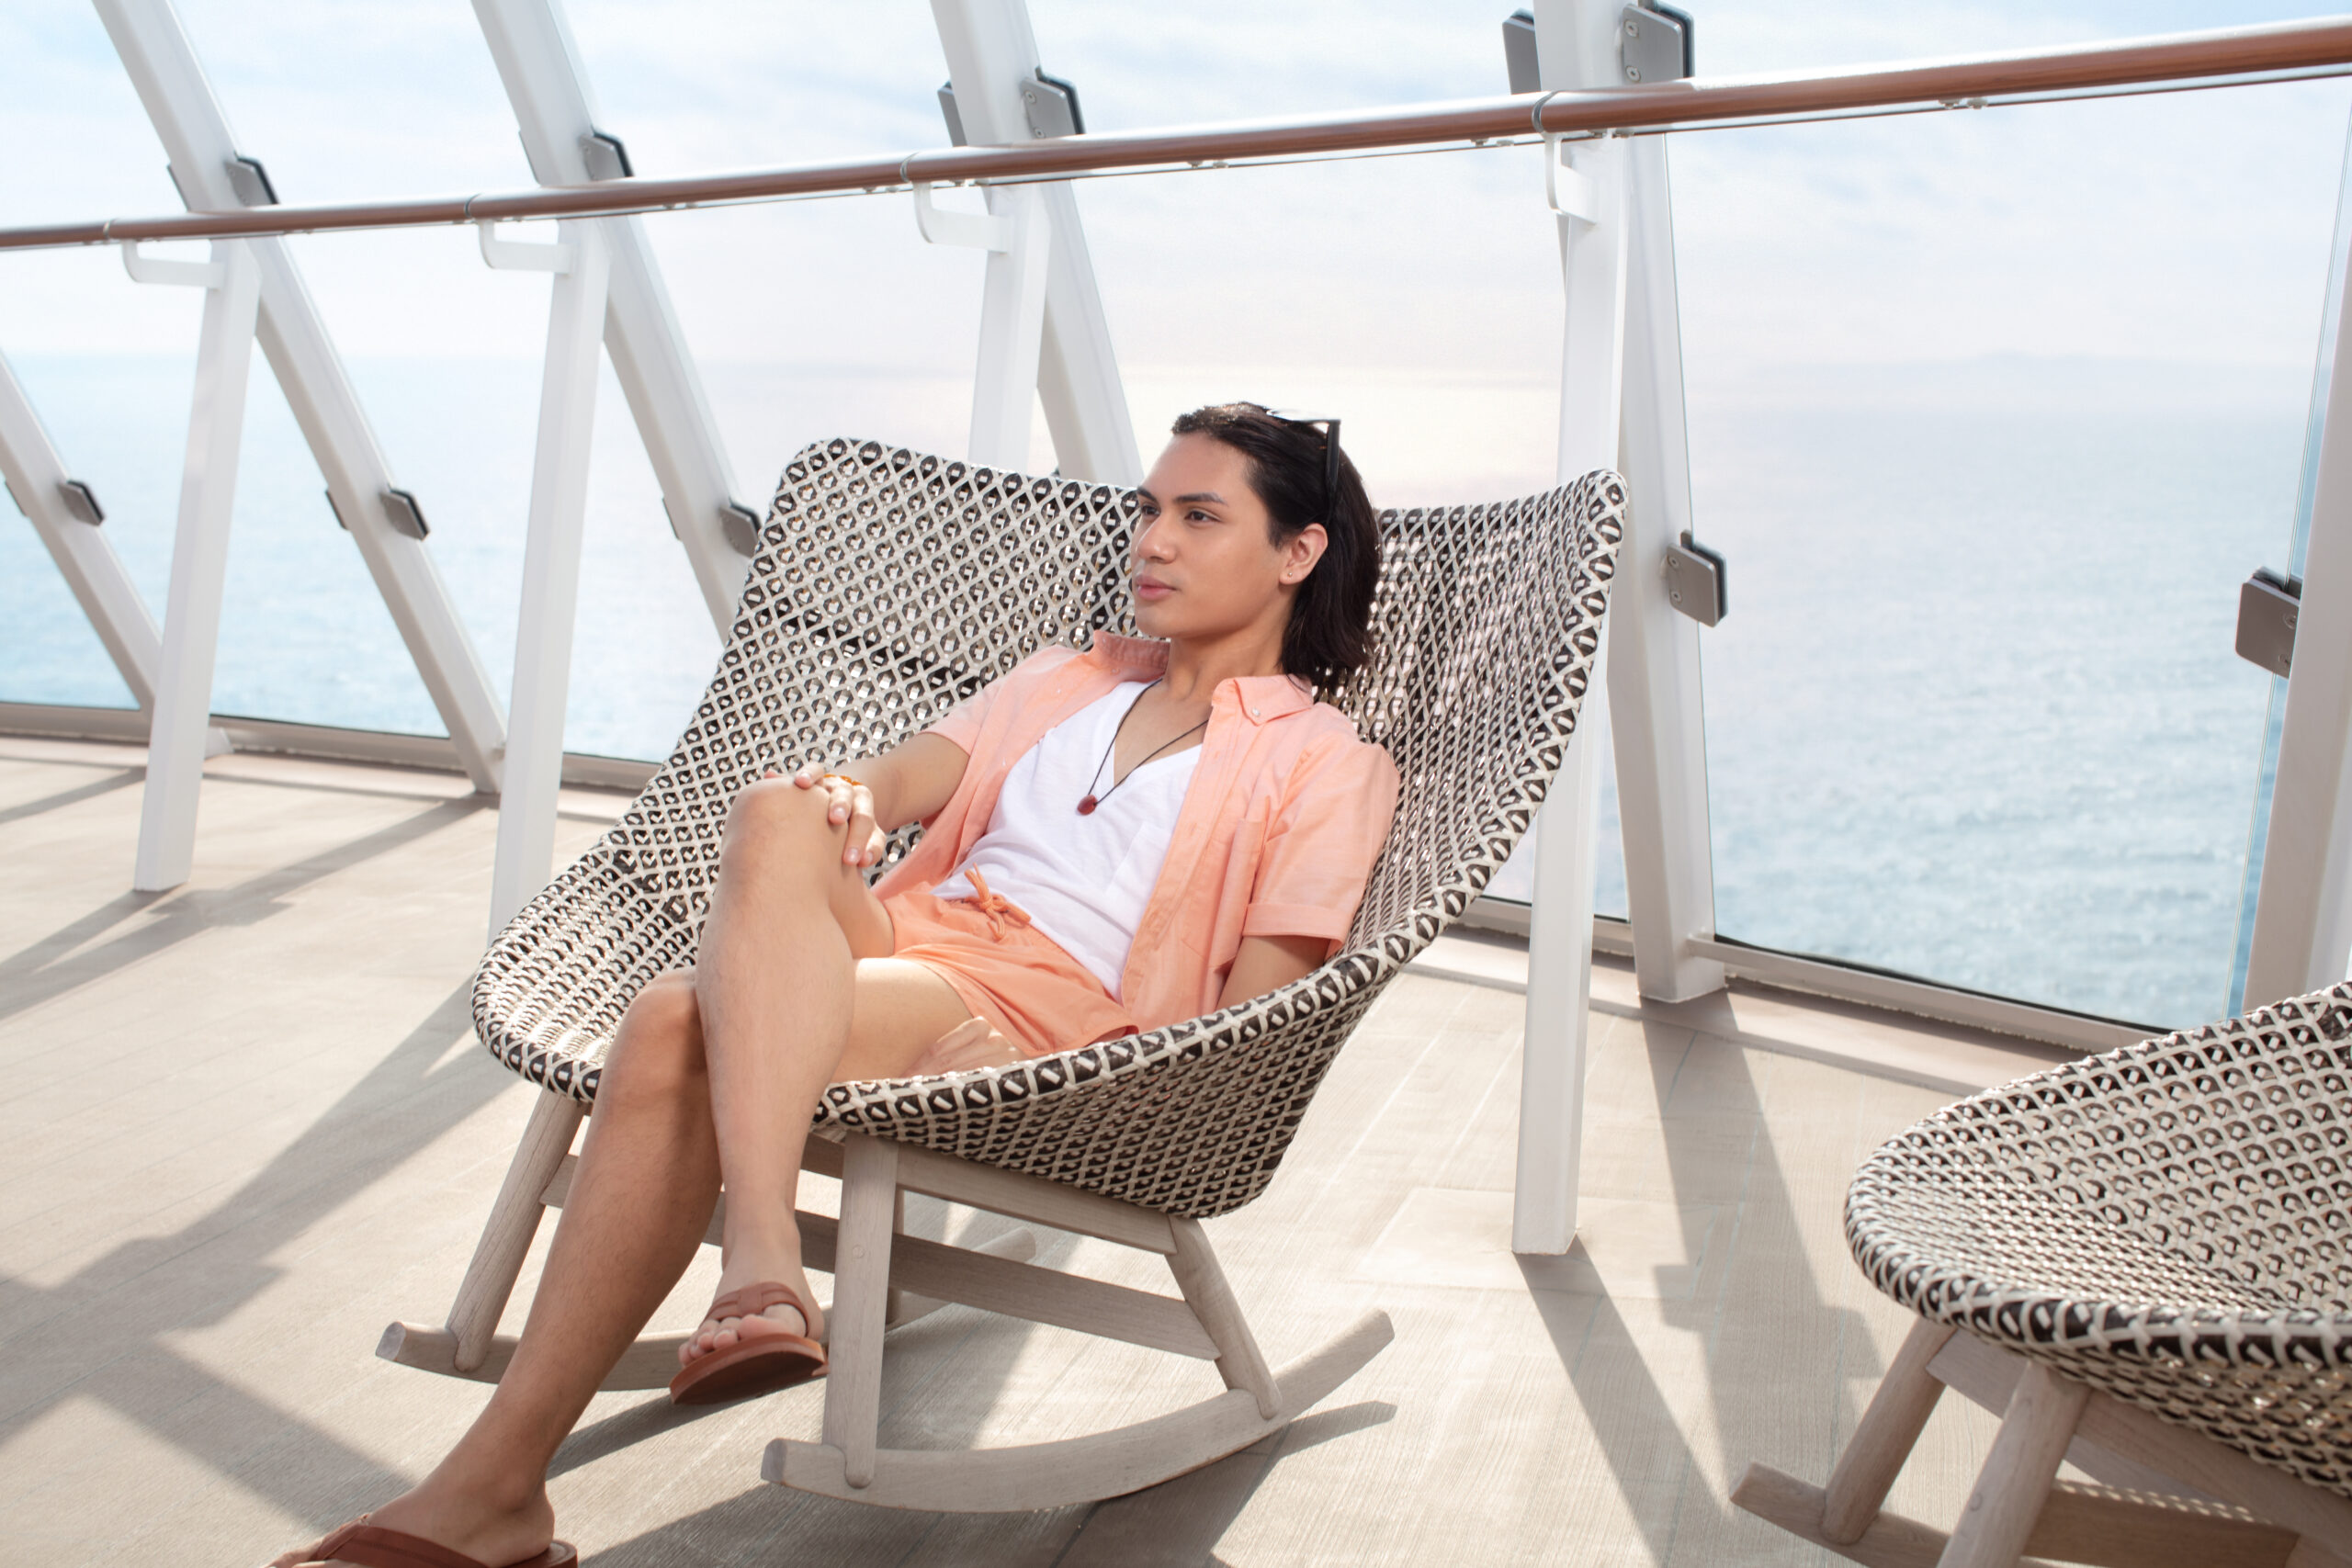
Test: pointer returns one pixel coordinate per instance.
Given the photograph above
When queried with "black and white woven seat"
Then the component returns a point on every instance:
(2144, 1260)
(888, 585)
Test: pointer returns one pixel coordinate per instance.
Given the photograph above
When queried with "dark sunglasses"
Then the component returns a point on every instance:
(1331, 455)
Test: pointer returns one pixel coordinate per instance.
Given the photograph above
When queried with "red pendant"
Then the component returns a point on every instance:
(1086, 807)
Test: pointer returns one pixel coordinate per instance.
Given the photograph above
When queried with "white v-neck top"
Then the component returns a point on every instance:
(1084, 880)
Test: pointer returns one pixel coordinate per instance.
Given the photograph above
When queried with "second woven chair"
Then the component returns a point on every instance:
(2143, 1262)
(887, 586)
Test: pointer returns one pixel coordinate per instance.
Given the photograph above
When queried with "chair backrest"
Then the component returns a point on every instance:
(888, 585)
(2167, 1222)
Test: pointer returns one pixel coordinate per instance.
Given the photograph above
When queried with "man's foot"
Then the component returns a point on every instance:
(722, 1330)
(496, 1537)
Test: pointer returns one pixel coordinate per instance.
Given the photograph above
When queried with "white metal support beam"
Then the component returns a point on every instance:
(547, 84)
(992, 51)
(1012, 312)
(175, 744)
(1577, 47)
(1013, 328)
(171, 83)
(581, 259)
(2302, 915)
(1655, 712)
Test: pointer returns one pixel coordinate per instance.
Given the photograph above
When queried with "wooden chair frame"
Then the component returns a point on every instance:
(1488, 625)
(2167, 1496)
(883, 1278)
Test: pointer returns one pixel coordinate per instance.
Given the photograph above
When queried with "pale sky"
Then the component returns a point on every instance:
(2189, 228)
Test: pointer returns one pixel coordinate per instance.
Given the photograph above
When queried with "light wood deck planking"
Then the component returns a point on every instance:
(244, 1125)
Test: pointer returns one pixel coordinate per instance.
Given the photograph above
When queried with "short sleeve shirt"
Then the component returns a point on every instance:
(1277, 836)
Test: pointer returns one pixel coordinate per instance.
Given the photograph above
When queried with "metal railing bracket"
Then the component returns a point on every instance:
(980, 230)
(1518, 53)
(742, 527)
(2268, 605)
(251, 182)
(1567, 189)
(144, 268)
(1696, 580)
(405, 514)
(81, 502)
(518, 255)
(1050, 105)
(948, 112)
(606, 158)
(1654, 44)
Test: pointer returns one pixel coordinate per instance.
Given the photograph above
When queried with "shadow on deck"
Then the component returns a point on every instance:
(244, 1125)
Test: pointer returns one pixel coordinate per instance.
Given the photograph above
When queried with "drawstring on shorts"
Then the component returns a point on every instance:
(1002, 911)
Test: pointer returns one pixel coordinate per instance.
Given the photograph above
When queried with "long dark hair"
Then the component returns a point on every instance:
(1329, 634)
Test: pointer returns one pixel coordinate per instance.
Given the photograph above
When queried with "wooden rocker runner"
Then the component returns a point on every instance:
(1488, 622)
(2143, 1262)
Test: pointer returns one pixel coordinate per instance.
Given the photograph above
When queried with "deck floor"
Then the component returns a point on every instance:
(244, 1125)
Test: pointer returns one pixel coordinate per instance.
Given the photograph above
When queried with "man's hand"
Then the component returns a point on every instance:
(975, 1042)
(850, 804)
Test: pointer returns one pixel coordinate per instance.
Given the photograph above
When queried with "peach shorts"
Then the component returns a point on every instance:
(1006, 970)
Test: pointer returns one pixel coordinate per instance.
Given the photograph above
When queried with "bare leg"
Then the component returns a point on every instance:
(647, 1180)
(774, 984)
(649, 1176)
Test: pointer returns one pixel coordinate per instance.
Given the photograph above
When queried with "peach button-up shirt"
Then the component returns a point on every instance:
(1284, 815)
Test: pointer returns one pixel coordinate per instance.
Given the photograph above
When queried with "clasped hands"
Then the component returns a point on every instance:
(975, 1042)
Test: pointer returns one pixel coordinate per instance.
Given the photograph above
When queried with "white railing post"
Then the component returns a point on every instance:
(176, 740)
(581, 260)
(1656, 716)
(2302, 915)
(1577, 47)
(547, 84)
(172, 88)
(992, 50)
(1012, 327)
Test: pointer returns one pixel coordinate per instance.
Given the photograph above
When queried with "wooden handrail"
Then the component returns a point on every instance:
(2181, 58)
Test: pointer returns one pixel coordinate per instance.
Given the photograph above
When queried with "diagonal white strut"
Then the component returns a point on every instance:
(607, 287)
(171, 83)
(556, 109)
(991, 52)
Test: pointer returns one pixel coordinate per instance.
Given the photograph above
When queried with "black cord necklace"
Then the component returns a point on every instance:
(1086, 807)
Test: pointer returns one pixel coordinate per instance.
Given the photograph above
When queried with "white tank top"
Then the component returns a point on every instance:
(1084, 880)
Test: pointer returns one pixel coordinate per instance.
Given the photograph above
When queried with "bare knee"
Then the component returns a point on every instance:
(775, 820)
(657, 1055)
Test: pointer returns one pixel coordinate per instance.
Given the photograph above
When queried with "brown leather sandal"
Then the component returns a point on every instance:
(372, 1546)
(766, 1357)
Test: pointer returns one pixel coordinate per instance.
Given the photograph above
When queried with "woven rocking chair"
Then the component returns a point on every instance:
(2143, 1262)
(1489, 619)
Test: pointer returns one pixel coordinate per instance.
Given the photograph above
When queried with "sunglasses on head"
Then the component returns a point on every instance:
(1331, 428)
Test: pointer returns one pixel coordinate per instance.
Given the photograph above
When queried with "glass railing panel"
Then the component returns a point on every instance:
(1515, 882)
(2306, 492)
(51, 655)
(461, 431)
(303, 634)
(1990, 438)
(96, 410)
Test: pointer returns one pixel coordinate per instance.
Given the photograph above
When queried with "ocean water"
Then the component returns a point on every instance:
(1973, 715)
(1978, 716)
